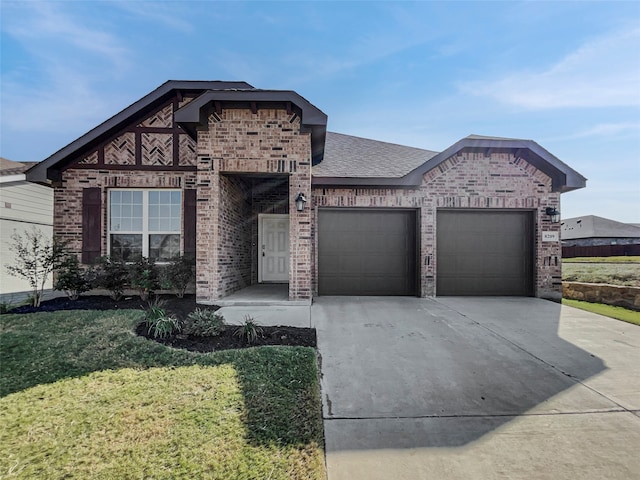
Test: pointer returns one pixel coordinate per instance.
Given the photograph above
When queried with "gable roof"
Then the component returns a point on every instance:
(563, 177)
(187, 117)
(592, 226)
(312, 118)
(45, 170)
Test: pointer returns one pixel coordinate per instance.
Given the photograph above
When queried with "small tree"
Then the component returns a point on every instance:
(71, 279)
(143, 276)
(178, 274)
(111, 274)
(37, 256)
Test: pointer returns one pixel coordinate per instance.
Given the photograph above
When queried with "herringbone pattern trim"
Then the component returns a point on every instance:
(121, 151)
(162, 118)
(157, 149)
(187, 151)
(90, 159)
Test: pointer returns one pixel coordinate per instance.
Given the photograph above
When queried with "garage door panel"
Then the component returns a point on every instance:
(367, 252)
(484, 253)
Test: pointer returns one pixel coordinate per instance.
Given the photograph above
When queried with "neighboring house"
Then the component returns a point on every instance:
(214, 169)
(592, 236)
(23, 206)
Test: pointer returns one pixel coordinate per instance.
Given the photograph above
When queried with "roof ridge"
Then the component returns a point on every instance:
(382, 141)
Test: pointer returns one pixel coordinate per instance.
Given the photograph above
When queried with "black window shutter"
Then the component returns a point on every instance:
(189, 223)
(91, 224)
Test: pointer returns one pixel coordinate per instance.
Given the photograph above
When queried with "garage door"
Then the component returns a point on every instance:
(366, 252)
(484, 253)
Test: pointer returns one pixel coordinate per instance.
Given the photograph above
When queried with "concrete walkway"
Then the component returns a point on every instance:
(483, 388)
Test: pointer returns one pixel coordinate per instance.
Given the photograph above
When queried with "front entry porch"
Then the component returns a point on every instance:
(261, 294)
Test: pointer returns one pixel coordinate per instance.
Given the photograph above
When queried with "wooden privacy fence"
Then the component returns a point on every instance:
(601, 251)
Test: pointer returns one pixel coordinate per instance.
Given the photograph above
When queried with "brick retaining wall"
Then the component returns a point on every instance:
(627, 297)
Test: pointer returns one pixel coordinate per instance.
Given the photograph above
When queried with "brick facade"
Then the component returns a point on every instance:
(237, 145)
(67, 197)
(250, 160)
(465, 181)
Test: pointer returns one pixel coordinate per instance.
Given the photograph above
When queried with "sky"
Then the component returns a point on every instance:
(423, 74)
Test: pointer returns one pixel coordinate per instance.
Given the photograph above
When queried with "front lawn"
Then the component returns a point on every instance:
(618, 259)
(623, 274)
(84, 397)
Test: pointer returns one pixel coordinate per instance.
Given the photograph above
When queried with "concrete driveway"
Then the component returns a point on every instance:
(483, 388)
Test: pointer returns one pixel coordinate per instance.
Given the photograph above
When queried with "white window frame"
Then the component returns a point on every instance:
(145, 232)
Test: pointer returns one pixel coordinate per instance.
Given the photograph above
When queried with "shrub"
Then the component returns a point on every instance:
(143, 276)
(111, 275)
(71, 279)
(37, 257)
(204, 323)
(178, 274)
(158, 323)
(250, 330)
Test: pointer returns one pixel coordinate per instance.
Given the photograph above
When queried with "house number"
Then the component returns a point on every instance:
(550, 236)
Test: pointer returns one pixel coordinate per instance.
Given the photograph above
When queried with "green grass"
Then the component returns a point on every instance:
(618, 313)
(622, 259)
(84, 397)
(624, 274)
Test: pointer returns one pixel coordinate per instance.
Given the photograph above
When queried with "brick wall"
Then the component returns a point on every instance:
(241, 143)
(467, 180)
(67, 200)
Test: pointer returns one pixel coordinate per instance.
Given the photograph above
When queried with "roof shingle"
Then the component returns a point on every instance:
(356, 157)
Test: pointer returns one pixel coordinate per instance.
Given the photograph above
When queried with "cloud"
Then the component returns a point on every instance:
(44, 28)
(158, 12)
(69, 59)
(631, 129)
(604, 72)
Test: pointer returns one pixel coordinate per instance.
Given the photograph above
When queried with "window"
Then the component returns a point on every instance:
(145, 223)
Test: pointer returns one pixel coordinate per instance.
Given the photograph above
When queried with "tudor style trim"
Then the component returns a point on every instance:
(48, 168)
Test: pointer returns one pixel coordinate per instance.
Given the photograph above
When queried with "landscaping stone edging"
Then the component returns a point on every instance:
(627, 297)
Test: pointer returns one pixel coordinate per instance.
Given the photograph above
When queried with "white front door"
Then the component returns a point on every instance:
(273, 248)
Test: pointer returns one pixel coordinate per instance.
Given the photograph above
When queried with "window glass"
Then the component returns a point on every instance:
(163, 247)
(126, 247)
(131, 236)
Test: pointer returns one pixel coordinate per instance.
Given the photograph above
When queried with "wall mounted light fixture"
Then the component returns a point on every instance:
(554, 214)
(300, 201)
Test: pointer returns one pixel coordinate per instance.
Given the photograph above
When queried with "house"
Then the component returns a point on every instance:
(593, 236)
(23, 206)
(222, 170)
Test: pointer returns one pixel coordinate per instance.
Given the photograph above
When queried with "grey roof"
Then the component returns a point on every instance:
(347, 156)
(9, 167)
(592, 226)
(389, 168)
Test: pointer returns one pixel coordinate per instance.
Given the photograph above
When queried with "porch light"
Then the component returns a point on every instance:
(300, 201)
(554, 214)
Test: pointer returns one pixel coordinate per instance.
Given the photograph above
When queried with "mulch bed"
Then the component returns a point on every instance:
(181, 307)
(290, 336)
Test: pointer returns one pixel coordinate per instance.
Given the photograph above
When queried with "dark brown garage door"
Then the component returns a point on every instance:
(367, 252)
(484, 253)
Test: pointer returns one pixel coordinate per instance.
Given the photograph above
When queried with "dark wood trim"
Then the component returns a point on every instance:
(189, 221)
(165, 130)
(91, 224)
(160, 168)
(138, 149)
